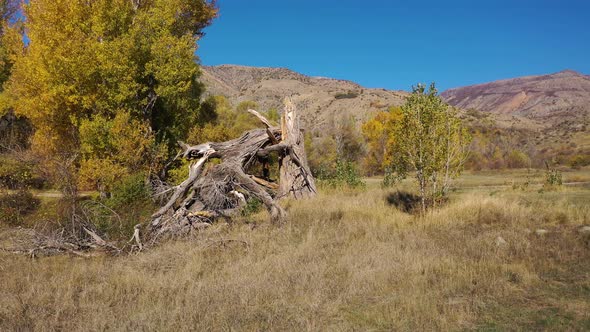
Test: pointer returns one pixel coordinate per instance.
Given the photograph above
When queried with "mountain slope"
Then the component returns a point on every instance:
(322, 101)
(546, 115)
(563, 94)
(554, 107)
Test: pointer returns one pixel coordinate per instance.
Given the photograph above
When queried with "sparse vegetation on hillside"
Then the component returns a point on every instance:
(500, 140)
(543, 117)
(346, 95)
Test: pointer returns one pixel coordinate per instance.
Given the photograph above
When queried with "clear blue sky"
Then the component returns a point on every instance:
(396, 44)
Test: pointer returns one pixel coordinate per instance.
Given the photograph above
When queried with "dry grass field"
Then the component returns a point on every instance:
(492, 259)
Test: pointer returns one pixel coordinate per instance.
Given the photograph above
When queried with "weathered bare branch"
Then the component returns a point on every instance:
(194, 172)
(265, 121)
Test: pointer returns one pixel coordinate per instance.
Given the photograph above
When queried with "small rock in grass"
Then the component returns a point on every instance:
(584, 230)
(541, 232)
(500, 242)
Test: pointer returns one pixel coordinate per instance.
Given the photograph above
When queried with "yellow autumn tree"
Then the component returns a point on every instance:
(378, 133)
(113, 149)
(103, 61)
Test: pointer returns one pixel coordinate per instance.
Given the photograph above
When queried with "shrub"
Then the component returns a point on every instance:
(579, 160)
(14, 206)
(179, 173)
(553, 177)
(518, 159)
(253, 206)
(16, 174)
(344, 174)
(129, 190)
(347, 95)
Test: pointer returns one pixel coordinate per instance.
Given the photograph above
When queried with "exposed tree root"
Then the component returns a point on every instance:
(210, 192)
(221, 190)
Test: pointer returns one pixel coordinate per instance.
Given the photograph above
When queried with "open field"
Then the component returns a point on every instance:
(346, 260)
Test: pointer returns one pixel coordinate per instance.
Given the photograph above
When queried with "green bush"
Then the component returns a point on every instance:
(178, 174)
(344, 174)
(14, 206)
(253, 206)
(15, 174)
(129, 190)
(553, 178)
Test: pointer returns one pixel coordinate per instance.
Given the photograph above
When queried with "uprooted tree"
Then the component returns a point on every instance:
(221, 190)
(217, 190)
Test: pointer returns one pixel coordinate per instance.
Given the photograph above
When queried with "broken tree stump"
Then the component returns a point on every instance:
(221, 190)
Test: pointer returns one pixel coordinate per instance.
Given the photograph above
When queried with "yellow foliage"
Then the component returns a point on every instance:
(378, 133)
(209, 133)
(100, 174)
(120, 146)
(101, 57)
(109, 81)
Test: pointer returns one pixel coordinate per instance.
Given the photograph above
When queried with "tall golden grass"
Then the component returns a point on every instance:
(345, 261)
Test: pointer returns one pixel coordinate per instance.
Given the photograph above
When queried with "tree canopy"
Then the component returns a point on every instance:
(93, 74)
(99, 58)
(426, 136)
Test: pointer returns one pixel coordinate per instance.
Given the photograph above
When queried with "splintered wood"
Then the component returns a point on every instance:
(222, 189)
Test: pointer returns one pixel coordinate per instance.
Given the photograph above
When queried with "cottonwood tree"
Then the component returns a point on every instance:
(90, 61)
(430, 140)
(112, 149)
(8, 24)
(378, 135)
(14, 130)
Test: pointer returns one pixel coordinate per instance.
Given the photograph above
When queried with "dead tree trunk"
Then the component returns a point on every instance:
(295, 176)
(221, 190)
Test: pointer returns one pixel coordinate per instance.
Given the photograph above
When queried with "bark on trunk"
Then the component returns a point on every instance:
(295, 176)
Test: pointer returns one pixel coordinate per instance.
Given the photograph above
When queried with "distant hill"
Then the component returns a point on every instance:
(555, 107)
(321, 100)
(563, 94)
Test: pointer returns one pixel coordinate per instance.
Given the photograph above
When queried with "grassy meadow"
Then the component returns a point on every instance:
(502, 254)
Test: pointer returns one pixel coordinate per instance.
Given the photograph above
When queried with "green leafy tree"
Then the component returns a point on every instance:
(430, 140)
(553, 177)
